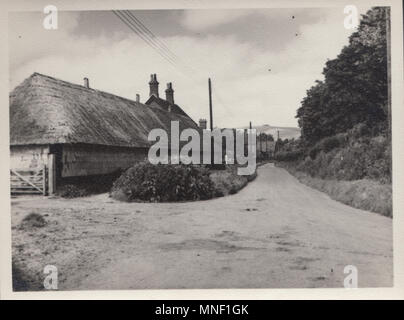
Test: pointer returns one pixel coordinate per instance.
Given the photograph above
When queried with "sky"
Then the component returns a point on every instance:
(261, 61)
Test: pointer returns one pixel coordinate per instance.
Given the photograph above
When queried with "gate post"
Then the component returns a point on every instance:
(51, 173)
(44, 180)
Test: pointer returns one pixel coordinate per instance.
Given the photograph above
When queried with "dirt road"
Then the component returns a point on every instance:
(275, 233)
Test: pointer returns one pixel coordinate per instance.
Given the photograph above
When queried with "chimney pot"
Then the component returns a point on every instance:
(170, 93)
(203, 123)
(86, 83)
(154, 86)
(137, 97)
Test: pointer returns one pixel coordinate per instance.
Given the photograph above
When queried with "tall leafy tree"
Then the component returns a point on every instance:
(354, 89)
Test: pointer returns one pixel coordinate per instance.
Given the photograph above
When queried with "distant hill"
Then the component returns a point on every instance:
(284, 132)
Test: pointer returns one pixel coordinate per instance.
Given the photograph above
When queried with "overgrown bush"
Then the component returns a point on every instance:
(288, 155)
(354, 159)
(163, 183)
(360, 130)
(228, 181)
(328, 144)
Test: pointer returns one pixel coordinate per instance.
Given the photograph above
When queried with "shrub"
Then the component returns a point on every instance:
(228, 181)
(288, 155)
(313, 152)
(360, 130)
(330, 143)
(163, 183)
(345, 157)
(233, 190)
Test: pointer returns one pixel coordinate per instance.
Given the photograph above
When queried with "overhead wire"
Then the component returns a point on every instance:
(153, 41)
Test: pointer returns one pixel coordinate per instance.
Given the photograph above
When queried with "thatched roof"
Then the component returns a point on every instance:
(45, 110)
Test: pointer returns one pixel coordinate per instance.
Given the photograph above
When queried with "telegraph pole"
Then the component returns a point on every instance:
(212, 149)
(210, 105)
(249, 141)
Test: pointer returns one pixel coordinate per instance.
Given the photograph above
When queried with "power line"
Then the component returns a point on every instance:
(151, 34)
(159, 42)
(135, 29)
(130, 20)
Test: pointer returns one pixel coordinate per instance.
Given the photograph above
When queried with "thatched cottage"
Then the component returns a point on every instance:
(83, 130)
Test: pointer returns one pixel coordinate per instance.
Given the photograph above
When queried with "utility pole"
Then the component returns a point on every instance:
(212, 149)
(249, 135)
(210, 105)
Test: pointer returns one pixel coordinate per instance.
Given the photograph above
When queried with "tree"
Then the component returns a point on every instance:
(354, 89)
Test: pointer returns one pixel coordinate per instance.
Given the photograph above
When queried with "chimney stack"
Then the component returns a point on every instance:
(203, 124)
(137, 97)
(86, 83)
(170, 93)
(154, 86)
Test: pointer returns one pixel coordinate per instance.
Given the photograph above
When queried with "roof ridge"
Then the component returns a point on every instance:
(82, 87)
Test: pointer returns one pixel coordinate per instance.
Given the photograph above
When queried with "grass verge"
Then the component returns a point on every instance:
(228, 181)
(362, 194)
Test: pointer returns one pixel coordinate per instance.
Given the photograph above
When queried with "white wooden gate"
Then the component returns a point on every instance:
(25, 181)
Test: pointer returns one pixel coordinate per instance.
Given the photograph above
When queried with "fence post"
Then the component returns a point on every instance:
(51, 174)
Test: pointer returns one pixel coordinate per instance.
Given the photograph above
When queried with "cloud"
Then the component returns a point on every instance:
(243, 88)
(29, 40)
(198, 20)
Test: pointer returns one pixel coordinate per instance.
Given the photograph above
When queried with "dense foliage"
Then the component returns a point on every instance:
(265, 136)
(344, 119)
(352, 155)
(349, 157)
(163, 183)
(354, 89)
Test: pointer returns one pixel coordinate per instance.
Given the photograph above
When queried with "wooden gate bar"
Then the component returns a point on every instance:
(26, 180)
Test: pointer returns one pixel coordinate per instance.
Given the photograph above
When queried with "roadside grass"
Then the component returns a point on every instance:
(362, 194)
(228, 181)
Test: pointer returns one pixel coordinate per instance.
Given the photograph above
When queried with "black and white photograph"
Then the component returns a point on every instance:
(202, 147)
